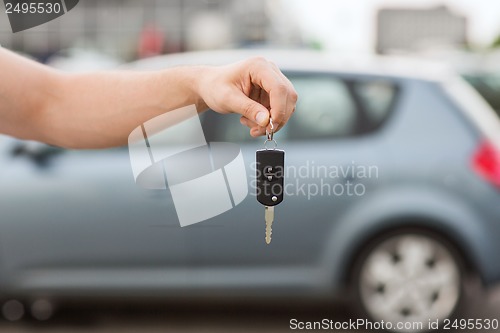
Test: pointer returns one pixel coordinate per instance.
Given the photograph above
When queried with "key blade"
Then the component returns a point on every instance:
(269, 217)
(269, 214)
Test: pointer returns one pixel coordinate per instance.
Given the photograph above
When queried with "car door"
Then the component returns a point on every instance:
(76, 219)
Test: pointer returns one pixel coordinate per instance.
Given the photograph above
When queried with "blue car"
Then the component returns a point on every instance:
(392, 198)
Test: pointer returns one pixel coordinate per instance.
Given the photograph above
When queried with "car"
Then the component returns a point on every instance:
(391, 202)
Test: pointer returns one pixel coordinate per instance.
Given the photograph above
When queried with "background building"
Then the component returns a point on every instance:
(115, 27)
(402, 29)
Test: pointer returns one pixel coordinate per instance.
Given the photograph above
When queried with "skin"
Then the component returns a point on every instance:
(99, 110)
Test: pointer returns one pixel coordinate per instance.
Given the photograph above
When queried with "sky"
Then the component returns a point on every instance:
(349, 25)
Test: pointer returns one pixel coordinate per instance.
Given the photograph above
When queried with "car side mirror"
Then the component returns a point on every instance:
(39, 153)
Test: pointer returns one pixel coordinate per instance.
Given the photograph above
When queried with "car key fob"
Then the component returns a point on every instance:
(270, 176)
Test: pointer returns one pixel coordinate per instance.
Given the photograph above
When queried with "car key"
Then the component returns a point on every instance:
(270, 179)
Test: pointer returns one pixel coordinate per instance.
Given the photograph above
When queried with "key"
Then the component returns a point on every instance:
(269, 217)
(270, 180)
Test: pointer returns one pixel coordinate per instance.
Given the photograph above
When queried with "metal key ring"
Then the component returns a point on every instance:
(270, 134)
(273, 141)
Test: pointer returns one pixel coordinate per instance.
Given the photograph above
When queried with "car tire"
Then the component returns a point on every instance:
(408, 279)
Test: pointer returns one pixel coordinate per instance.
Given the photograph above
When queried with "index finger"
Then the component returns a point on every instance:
(292, 96)
(276, 87)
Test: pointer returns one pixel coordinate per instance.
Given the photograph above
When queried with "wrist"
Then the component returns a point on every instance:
(193, 85)
(198, 84)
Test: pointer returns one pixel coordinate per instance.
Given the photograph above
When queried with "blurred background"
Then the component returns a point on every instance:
(126, 30)
(104, 34)
(462, 35)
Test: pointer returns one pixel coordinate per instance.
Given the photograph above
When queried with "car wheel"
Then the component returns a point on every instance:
(409, 279)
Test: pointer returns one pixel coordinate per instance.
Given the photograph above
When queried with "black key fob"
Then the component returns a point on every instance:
(270, 176)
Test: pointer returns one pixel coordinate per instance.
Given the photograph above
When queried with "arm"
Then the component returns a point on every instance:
(99, 110)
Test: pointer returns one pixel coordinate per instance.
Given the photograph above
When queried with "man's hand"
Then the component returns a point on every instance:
(254, 88)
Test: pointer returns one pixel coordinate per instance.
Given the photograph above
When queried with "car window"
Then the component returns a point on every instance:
(328, 107)
(325, 109)
(376, 98)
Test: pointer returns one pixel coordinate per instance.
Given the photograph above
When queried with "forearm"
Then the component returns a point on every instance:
(101, 109)
(87, 110)
(26, 87)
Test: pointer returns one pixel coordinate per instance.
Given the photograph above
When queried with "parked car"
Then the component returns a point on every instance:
(423, 213)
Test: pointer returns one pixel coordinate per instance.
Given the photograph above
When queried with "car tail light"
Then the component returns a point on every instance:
(486, 162)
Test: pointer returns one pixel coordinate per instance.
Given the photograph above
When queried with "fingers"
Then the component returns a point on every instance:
(291, 98)
(248, 108)
(254, 88)
(255, 130)
(263, 75)
(282, 95)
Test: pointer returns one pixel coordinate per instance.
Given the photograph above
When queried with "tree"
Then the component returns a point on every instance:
(496, 42)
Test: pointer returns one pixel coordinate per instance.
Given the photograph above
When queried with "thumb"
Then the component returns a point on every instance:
(250, 109)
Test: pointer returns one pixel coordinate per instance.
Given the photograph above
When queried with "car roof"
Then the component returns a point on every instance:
(309, 60)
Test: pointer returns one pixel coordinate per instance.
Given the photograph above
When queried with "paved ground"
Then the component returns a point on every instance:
(129, 318)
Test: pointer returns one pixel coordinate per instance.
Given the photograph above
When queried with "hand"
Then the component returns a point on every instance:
(254, 88)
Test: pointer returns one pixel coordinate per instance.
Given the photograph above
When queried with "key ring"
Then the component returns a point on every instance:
(273, 141)
(269, 136)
